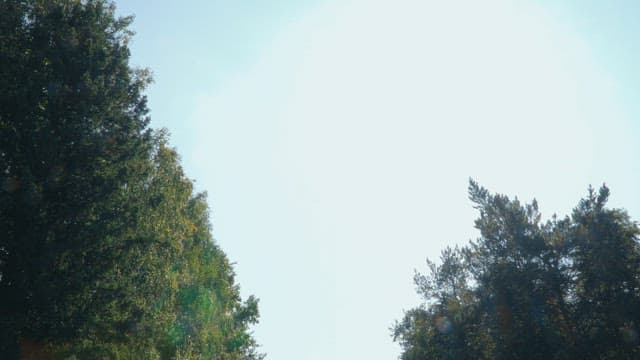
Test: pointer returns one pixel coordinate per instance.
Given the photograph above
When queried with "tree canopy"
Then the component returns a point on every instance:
(568, 288)
(105, 249)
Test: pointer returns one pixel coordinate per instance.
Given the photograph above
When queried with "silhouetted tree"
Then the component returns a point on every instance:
(565, 289)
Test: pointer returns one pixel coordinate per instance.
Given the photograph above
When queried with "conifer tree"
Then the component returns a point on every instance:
(565, 289)
(105, 250)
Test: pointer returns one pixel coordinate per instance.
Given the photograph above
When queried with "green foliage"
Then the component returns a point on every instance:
(105, 250)
(565, 289)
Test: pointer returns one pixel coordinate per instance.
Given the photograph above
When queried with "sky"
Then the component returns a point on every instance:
(335, 138)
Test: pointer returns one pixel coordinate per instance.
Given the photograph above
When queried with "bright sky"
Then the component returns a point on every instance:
(336, 138)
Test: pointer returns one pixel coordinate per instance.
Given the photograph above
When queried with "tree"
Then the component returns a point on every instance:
(606, 289)
(102, 239)
(562, 289)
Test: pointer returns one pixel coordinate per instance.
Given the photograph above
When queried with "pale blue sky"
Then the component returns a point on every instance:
(335, 137)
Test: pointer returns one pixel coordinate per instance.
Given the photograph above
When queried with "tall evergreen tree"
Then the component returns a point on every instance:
(105, 251)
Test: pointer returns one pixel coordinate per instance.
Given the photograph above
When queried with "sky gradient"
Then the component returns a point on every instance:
(336, 138)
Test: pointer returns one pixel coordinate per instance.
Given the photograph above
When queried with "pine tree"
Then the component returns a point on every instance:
(565, 289)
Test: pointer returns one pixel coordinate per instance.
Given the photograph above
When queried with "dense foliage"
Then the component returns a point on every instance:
(105, 249)
(563, 289)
